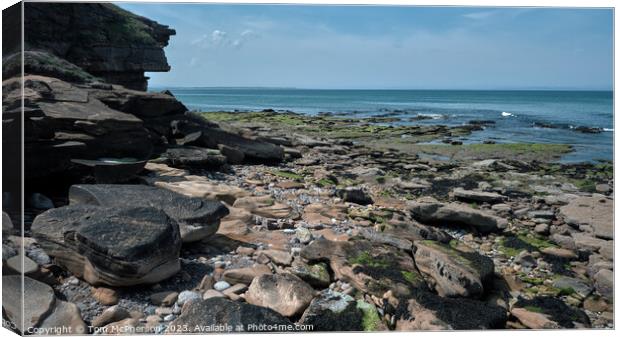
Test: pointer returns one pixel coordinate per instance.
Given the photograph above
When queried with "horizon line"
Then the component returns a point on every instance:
(395, 88)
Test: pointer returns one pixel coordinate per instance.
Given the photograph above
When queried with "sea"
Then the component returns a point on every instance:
(523, 116)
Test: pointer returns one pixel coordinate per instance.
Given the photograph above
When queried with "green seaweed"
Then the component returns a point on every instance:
(287, 175)
(367, 260)
(371, 321)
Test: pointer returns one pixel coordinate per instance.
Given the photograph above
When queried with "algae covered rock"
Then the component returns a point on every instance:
(453, 272)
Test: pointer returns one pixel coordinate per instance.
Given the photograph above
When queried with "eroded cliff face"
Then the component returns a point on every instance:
(102, 39)
(87, 116)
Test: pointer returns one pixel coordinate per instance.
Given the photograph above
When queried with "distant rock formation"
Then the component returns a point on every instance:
(102, 39)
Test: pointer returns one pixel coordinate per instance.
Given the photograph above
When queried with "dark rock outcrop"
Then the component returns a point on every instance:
(63, 122)
(103, 39)
(119, 246)
(197, 218)
(220, 312)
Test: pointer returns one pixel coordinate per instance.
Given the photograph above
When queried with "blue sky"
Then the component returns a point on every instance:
(384, 47)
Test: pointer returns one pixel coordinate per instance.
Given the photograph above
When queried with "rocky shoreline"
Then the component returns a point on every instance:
(143, 217)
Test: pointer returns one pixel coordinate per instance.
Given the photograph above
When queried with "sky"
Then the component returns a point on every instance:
(384, 47)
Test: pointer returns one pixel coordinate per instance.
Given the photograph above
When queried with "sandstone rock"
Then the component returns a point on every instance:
(165, 298)
(559, 252)
(126, 326)
(477, 196)
(265, 206)
(454, 272)
(595, 211)
(212, 293)
(65, 319)
(202, 188)
(283, 293)
(245, 275)
(109, 315)
(218, 312)
(117, 246)
(105, 296)
(38, 301)
(197, 218)
(370, 267)
(321, 214)
(534, 320)
(278, 257)
(437, 213)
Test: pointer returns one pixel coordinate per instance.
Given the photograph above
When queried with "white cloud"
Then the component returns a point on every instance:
(479, 15)
(218, 37)
(221, 39)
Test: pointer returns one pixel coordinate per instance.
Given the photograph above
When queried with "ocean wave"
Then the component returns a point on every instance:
(507, 114)
(608, 130)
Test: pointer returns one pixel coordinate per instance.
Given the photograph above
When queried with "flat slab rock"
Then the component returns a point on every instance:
(370, 267)
(219, 312)
(197, 218)
(479, 196)
(436, 213)
(454, 272)
(595, 211)
(118, 246)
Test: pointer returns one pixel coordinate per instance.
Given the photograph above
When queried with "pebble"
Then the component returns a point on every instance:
(221, 285)
(187, 295)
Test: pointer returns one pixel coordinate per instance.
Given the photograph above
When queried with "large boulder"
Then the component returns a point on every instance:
(453, 272)
(596, 212)
(117, 246)
(284, 293)
(197, 218)
(436, 213)
(221, 314)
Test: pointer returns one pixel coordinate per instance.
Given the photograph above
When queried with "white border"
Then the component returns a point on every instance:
(485, 3)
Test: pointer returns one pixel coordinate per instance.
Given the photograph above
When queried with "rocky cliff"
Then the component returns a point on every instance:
(86, 114)
(102, 39)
